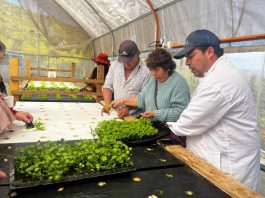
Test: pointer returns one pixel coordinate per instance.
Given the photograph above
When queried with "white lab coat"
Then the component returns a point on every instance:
(221, 124)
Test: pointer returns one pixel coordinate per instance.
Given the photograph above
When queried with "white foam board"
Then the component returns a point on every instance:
(70, 121)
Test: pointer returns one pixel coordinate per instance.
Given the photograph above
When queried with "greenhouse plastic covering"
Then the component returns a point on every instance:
(106, 23)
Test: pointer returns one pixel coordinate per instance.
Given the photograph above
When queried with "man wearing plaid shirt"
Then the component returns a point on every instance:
(126, 77)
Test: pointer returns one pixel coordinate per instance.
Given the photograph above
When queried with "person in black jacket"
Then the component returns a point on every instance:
(2, 54)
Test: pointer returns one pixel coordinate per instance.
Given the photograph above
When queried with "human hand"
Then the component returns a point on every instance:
(2, 175)
(148, 114)
(117, 103)
(123, 111)
(24, 116)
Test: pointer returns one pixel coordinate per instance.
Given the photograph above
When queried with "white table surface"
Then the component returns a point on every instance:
(70, 121)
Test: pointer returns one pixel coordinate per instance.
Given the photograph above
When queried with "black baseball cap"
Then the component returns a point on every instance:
(198, 38)
(127, 50)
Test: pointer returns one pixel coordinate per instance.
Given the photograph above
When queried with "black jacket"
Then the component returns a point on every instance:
(2, 86)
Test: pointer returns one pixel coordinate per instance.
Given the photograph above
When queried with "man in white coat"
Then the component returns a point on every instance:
(220, 121)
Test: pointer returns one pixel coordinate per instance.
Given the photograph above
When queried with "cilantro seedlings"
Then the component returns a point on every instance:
(39, 125)
(125, 130)
(87, 97)
(55, 160)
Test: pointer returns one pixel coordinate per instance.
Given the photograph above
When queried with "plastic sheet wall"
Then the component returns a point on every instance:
(227, 18)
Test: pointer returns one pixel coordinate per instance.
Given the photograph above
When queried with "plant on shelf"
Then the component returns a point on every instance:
(58, 97)
(30, 87)
(66, 89)
(74, 97)
(43, 84)
(56, 89)
(31, 84)
(88, 97)
(25, 97)
(43, 97)
(62, 84)
(53, 85)
(74, 89)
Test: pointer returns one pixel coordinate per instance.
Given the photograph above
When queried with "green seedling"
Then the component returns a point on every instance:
(125, 130)
(87, 97)
(25, 97)
(74, 97)
(55, 160)
(108, 107)
(39, 125)
(58, 97)
(43, 97)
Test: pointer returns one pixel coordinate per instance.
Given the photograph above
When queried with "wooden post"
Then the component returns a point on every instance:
(14, 71)
(100, 76)
(73, 70)
(28, 68)
(100, 72)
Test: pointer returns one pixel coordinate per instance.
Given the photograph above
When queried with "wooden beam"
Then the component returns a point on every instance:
(224, 182)
(58, 79)
(100, 72)
(73, 70)
(13, 71)
(28, 68)
(100, 76)
(38, 92)
(47, 69)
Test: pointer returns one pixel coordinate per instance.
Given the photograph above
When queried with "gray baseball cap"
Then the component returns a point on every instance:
(198, 38)
(127, 50)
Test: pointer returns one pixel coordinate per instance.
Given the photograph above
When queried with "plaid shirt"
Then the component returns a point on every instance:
(122, 88)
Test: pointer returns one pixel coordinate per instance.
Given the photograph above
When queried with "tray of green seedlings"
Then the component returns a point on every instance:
(50, 163)
(57, 97)
(132, 131)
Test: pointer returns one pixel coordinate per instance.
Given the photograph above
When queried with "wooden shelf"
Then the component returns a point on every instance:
(15, 78)
(38, 92)
(47, 69)
(57, 79)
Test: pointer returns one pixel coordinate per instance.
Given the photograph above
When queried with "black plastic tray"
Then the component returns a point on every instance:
(162, 128)
(17, 185)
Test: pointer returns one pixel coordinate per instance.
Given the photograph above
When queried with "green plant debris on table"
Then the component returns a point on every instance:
(54, 160)
(39, 125)
(125, 130)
